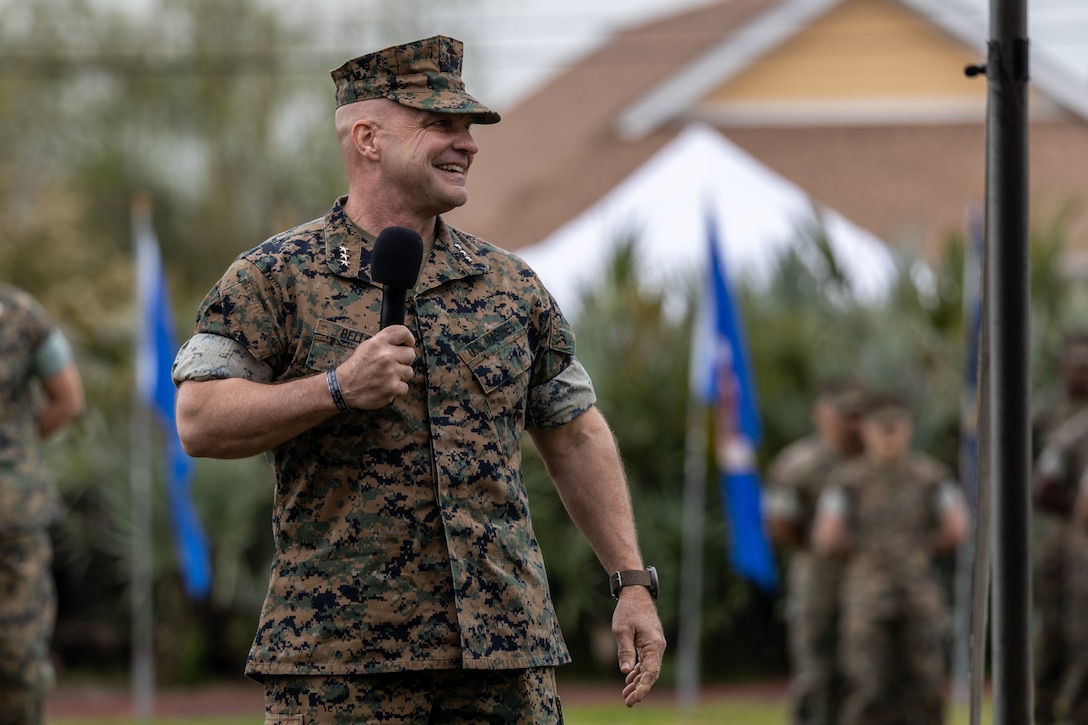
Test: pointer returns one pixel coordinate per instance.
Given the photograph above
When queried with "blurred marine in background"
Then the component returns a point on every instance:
(1060, 436)
(889, 514)
(797, 477)
(40, 393)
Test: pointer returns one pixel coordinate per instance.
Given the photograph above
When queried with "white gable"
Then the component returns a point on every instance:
(663, 204)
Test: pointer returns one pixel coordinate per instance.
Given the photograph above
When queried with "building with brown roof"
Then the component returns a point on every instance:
(864, 104)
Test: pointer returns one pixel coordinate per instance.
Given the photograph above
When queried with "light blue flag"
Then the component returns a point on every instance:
(157, 345)
(722, 378)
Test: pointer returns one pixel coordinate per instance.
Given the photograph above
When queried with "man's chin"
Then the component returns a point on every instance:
(456, 200)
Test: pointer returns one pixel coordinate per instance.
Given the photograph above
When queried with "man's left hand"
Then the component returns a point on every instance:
(640, 639)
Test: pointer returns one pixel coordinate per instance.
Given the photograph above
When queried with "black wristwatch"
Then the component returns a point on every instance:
(634, 578)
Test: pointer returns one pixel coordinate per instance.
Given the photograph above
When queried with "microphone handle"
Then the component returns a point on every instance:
(393, 306)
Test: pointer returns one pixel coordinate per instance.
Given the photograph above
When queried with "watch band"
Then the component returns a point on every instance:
(633, 577)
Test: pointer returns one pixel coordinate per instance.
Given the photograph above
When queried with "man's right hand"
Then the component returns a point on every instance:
(379, 370)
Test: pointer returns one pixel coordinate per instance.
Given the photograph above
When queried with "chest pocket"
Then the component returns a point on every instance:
(332, 345)
(498, 356)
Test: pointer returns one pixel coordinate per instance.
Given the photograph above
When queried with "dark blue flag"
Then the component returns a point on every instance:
(972, 312)
(722, 378)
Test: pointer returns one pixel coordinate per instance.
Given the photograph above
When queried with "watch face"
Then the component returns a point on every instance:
(653, 581)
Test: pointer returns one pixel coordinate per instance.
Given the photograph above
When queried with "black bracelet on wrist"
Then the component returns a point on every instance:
(334, 389)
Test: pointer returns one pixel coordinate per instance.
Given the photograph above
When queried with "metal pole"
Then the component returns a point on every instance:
(691, 583)
(969, 455)
(984, 509)
(1007, 227)
(142, 666)
(140, 596)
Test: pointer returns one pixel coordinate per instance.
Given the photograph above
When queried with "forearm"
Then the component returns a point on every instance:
(236, 418)
(829, 535)
(583, 461)
(64, 401)
(955, 526)
(784, 533)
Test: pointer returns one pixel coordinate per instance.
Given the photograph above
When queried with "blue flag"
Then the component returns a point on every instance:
(972, 313)
(157, 345)
(721, 378)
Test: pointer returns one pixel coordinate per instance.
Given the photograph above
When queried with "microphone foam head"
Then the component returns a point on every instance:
(398, 254)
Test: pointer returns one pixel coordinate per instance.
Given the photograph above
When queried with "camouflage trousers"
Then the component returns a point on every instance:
(27, 615)
(1050, 649)
(816, 686)
(1071, 700)
(525, 697)
(894, 662)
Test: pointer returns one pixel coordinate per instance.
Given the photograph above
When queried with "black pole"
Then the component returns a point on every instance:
(1009, 394)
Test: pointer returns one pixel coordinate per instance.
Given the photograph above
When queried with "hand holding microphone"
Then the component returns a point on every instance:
(379, 370)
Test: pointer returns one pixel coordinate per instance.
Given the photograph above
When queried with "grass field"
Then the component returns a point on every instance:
(710, 714)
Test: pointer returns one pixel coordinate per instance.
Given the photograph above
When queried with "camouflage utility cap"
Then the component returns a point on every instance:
(423, 74)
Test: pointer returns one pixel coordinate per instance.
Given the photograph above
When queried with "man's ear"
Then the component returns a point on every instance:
(364, 134)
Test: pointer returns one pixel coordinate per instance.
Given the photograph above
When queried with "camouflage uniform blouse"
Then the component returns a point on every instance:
(893, 511)
(797, 477)
(403, 538)
(28, 498)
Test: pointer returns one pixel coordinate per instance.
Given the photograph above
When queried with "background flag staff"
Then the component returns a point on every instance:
(141, 600)
(153, 407)
(1005, 397)
(721, 382)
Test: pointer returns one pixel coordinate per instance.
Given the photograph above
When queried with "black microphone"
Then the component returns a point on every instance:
(398, 254)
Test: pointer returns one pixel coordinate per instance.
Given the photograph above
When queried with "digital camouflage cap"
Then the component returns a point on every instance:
(423, 74)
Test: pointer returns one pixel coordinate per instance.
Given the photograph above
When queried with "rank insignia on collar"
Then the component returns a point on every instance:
(464, 254)
(344, 255)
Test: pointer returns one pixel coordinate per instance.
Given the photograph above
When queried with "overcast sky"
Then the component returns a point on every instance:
(514, 45)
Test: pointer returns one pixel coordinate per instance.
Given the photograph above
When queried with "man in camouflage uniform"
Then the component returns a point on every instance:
(796, 478)
(40, 393)
(1060, 484)
(1074, 692)
(407, 584)
(888, 513)
(1057, 430)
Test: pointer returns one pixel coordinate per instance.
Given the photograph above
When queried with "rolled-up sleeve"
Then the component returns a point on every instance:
(214, 357)
(561, 399)
(53, 355)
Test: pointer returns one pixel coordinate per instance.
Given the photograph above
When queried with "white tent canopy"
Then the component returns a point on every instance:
(663, 205)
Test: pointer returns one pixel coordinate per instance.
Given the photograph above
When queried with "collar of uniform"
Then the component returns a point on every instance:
(455, 256)
(349, 251)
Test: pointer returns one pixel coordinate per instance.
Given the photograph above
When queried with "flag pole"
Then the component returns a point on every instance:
(141, 599)
(719, 376)
(984, 507)
(1007, 240)
(691, 583)
(968, 456)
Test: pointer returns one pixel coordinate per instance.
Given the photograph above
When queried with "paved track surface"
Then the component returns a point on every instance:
(93, 700)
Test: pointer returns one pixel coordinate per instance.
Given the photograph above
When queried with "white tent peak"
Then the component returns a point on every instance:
(663, 204)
